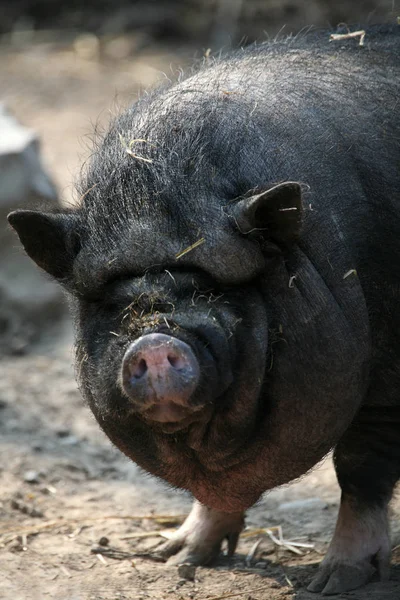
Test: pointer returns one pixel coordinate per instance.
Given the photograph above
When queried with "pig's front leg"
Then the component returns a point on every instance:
(198, 541)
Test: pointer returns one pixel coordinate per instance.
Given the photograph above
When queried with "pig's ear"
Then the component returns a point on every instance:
(276, 211)
(51, 240)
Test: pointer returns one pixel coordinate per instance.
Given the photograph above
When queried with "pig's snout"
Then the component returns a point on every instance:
(159, 375)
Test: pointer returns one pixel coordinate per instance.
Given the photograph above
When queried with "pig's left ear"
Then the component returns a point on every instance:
(52, 240)
(276, 211)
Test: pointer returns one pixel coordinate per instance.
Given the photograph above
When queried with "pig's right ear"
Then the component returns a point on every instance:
(52, 240)
(275, 211)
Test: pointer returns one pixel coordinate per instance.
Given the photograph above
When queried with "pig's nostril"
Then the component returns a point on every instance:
(138, 369)
(177, 362)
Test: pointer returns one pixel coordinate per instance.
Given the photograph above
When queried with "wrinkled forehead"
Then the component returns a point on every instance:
(148, 244)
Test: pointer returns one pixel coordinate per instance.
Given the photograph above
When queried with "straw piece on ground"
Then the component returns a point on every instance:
(101, 558)
(252, 552)
(279, 541)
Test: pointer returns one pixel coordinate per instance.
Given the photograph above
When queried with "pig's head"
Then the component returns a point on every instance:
(172, 330)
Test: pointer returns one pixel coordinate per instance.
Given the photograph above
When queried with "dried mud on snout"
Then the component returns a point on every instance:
(78, 520)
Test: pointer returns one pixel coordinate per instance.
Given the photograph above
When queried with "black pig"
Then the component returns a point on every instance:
(235, 269)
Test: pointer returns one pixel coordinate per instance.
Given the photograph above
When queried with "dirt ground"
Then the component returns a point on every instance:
(63, 487)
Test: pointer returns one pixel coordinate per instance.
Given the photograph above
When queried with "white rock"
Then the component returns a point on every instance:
(29, 301)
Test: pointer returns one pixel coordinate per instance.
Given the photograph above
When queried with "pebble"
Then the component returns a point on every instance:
(48, 489)
(70, 440)
(31, 477)
(63, 432)
(103, 541)
(25, 508)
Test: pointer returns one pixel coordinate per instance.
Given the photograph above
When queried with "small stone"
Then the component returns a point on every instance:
(104, 541)
(261, 565)
(26, 508)
(34, 512)
(187, 571)
(31, 477)
(63, 432)
(48, 489)
(70, 440)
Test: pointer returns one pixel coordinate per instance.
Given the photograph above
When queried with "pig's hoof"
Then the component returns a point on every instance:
(198, 541)
(360, 549)
(337, 578)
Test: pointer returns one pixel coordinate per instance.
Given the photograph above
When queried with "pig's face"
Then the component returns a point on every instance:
(177, 360)
(172, 336)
